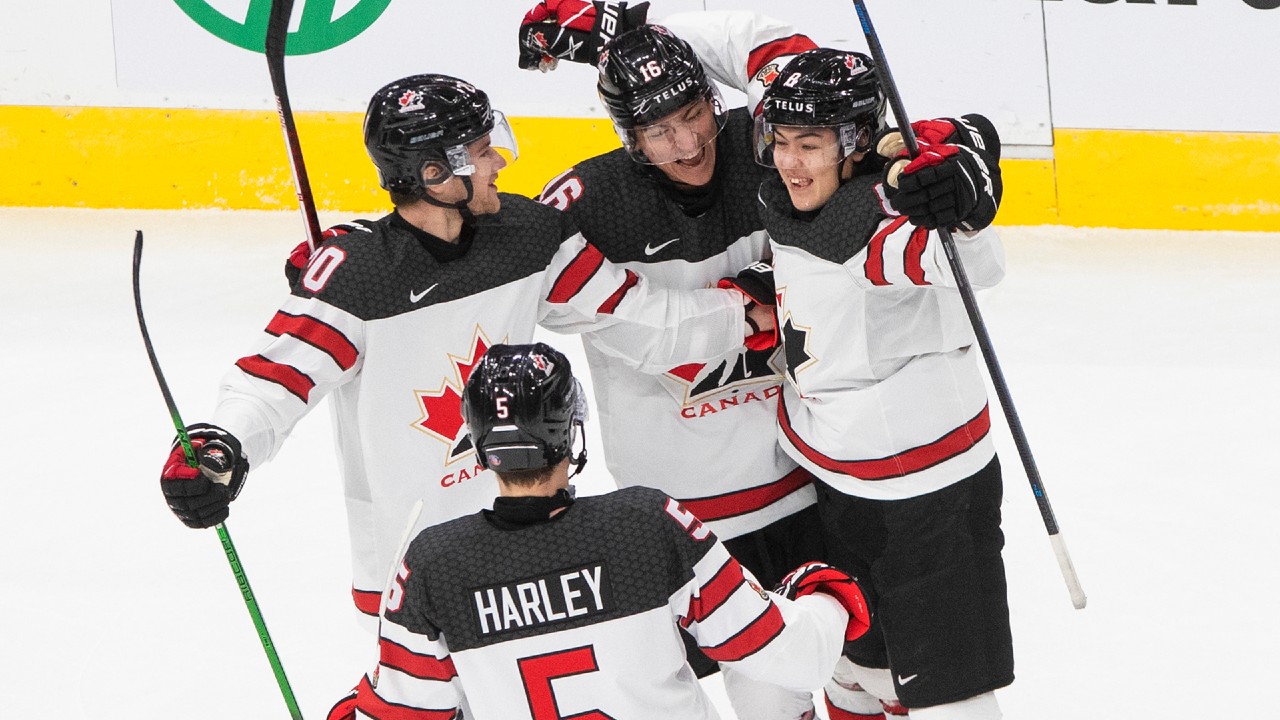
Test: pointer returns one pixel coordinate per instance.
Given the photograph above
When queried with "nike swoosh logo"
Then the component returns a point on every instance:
(907, 679)
(651, 250)
(415, 297)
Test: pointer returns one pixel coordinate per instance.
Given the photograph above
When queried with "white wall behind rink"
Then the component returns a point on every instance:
(1031, 65)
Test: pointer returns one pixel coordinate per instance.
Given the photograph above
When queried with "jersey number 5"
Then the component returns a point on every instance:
(538, 671)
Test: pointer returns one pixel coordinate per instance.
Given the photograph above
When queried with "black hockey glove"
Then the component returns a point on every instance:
(755, 281)
(816, 577)
(573, 30)
(200, 496)
(973, 131)
(954, 182)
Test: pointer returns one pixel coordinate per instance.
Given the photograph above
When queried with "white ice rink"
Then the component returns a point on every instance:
(1144, 366)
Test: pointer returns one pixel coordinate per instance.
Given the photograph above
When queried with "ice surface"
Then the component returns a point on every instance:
(1144, 365)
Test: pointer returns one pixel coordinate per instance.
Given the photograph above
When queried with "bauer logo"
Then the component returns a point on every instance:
(316, 31)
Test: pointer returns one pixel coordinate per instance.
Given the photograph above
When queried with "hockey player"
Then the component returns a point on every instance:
(684, 214)
(389, 317)
(679, 203)
(884, 400)
(549, 606)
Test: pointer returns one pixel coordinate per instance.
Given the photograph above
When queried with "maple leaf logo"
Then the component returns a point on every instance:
(442, 408)
(411, 100)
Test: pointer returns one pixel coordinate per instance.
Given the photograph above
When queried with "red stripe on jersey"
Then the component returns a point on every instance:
(874, 267)
(426, 667)
(367, 601)
(714, 593)
(916, 459)
(320, 335)
(912, 256)
(732, 504)
(375, 707)
(750, 639)
(612, 303)
(576, 275)
(283, 375)
(768, 52)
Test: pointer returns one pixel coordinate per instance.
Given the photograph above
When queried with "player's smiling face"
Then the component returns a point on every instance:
(682, 143)
(488, 162)
(808, 160)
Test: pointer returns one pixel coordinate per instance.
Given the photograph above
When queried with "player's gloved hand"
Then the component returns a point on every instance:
(574, 30)
(297, 262)
(973, 131)
(820, 577)
(200, 496)
(755, 282)
(954, 182)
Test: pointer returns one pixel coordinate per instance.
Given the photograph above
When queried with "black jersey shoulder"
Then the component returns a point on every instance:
(382, 270)
(629, 217)
(840, 230)
(607, 557)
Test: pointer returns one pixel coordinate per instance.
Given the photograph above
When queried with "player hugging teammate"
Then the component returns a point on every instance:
(783, 251)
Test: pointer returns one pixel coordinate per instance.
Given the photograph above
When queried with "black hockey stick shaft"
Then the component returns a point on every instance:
(1078, 598)
(230, 549)
(276, 40)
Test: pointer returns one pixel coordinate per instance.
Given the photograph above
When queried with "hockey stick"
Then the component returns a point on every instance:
(232, 558)
(1078, 598)
(277, 38)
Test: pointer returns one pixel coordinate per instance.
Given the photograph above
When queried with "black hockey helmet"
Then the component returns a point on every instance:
(524, 409)
(425, 119)
(647, 74)
(839, 89)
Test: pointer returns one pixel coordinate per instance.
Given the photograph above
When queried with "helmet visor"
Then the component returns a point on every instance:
(803, 146)
(501, 140)
(678, 136)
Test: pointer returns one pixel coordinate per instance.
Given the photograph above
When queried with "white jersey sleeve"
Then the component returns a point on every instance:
(308, 348)
(744, 50)
(648, 327)
(902, 254)
(790, 643)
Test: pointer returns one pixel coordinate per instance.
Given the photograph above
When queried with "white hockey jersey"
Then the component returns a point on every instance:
(884, 397)
(579, 617)
(701, 432)
(391, 334)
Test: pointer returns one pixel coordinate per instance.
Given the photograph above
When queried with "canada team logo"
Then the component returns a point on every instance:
(411, 100)
(751, 376)
(442, 408)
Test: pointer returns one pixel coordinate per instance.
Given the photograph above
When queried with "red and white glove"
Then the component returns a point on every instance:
(200, 496)
(954, 181)
(755, 282)
(573, 30)
(816, 577)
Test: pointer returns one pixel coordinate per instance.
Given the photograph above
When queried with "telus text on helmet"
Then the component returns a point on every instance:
(662, 97)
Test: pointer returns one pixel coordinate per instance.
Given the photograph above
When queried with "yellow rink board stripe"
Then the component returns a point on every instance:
(235, 159)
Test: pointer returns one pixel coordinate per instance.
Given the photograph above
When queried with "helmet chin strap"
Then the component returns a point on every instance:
(580, 461)
(462, 206)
